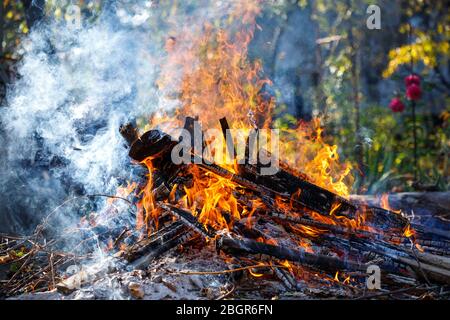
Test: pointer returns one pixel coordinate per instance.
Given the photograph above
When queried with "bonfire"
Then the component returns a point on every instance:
(226, 204)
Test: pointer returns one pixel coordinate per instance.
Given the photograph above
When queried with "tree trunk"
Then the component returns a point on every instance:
(356, 103)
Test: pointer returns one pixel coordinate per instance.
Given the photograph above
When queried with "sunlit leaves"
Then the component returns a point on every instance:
(423, 50)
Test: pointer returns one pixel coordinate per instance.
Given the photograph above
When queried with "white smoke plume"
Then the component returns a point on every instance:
(76, 86)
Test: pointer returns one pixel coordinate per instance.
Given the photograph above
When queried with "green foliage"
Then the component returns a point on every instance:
(13, 28)
(386, 138)
(424, 50)
(388, 152)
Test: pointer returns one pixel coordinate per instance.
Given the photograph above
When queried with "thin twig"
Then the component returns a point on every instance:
(413, 249)
(44, 223)
(52, 270)
(20, 269)
(228, 270)
(119, 238)
(388, 293)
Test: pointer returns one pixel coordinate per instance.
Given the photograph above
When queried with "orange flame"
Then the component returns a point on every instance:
(408, 232)
(305, 148)
(336, 277)
(335, 207)
(147, 209)
(256, 274)
(384, 203)
(209, 73)
(347, 280)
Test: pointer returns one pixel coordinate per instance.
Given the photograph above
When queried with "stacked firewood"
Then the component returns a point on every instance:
(406, 252)
(291, 235)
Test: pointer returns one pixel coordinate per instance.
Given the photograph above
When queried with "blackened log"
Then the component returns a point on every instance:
(360, 233)
(232, 245)
(283, 184)
(385, 218)
(431, 233)
(175, 241)
(158, 146)
(242, 229)
(303, 193)
(311, 196)
(146, 246)
(188, 219)
(425, 266)
(425, 205)
(153, 143)
(308, 194)
(195, 131)
(430, 210)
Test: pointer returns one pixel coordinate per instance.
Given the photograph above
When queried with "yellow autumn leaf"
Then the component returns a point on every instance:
(423, 50)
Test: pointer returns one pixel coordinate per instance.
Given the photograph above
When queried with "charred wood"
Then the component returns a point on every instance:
(175, 241)
(147, 245)
(188, 219)
(129, 133)
(232, 245)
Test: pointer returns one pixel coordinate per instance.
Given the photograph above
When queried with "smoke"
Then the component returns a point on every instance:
(77, 85)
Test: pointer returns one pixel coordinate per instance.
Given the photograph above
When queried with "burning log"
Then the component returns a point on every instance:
(153, 143)
(283, 184)
(188, 219)
(228, 138)
(304, 198)
(438, 246)
(171, 235)
(230, 244)
(433, 204)
(306, 194)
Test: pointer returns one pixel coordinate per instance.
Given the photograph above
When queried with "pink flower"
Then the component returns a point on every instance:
(413, 92)
(396, 105)
(412, 79)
